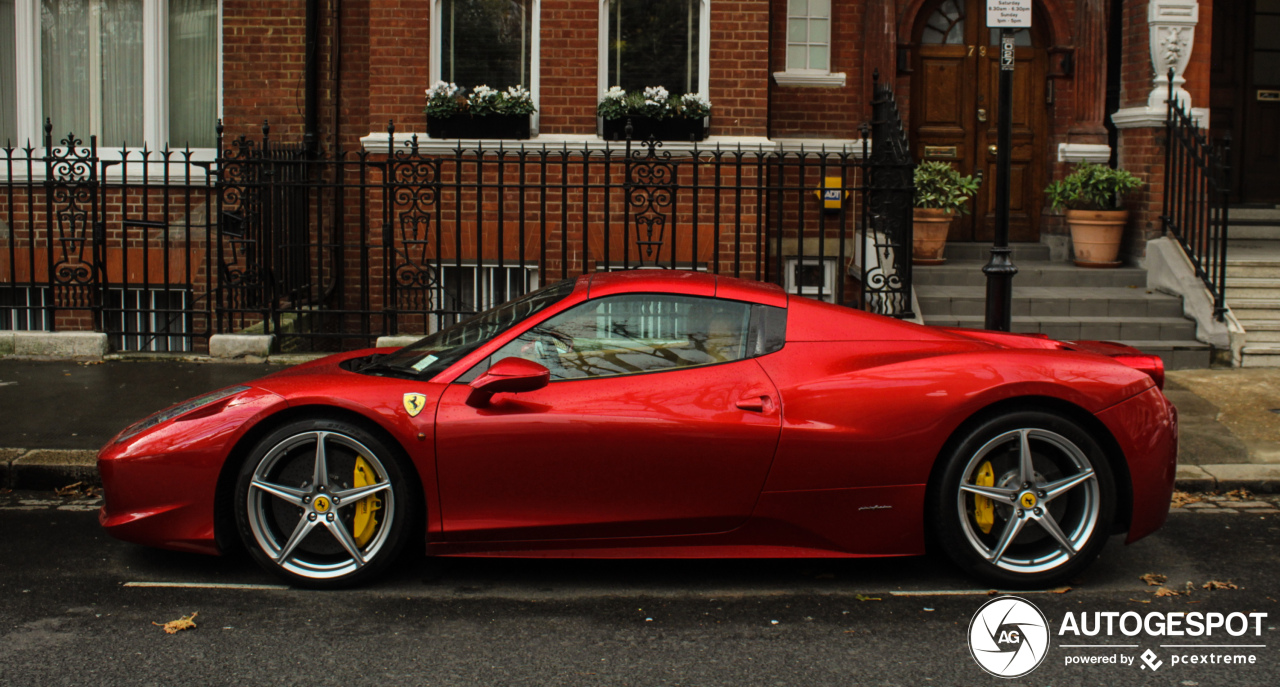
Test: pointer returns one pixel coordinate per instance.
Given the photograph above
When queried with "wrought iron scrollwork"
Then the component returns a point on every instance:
(71, 183)
(413, 187)
(650, 191)
(886, 277)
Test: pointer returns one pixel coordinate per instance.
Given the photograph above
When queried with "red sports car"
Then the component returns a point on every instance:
(664, 414)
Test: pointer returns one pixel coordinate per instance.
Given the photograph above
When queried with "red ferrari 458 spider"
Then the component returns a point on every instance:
(664, 414)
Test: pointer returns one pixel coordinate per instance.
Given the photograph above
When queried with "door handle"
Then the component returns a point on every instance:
(994, 150)
(982, 115)
(755, 404)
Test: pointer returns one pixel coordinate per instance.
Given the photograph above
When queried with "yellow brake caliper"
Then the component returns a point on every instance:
(366, 520)
(984, 511)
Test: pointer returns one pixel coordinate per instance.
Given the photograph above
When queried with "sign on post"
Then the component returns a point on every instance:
(1009, 14)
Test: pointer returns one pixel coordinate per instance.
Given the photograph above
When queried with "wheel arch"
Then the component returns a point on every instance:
(224, 522)
(1086, 420)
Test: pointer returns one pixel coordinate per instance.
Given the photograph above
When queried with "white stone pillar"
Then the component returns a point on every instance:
(1172, 25)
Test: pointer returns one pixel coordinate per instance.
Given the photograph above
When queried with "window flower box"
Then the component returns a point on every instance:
(485, 113)
(654, 112)
(673, 129)
(495, 126)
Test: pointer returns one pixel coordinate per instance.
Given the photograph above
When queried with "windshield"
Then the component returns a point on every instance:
(429, 357)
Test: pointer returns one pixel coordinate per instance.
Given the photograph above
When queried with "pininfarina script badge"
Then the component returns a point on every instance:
(414, 403)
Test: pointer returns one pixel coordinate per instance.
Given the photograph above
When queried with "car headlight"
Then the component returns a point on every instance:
(178, 410)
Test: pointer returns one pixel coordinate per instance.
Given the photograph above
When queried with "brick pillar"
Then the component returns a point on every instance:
(1141, 119)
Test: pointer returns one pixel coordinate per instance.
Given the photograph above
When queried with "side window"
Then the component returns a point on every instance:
(636, 333)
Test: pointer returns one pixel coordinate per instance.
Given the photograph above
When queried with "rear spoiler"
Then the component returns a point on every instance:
(1129, 356)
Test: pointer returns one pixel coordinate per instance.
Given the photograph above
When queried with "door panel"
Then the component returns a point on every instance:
(664, 453)
(1025, 188)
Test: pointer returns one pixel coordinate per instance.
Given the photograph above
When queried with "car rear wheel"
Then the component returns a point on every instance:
(323, 503)
(1025, 500)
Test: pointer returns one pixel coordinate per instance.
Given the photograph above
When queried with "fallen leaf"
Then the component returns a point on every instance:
(1182, 498)
(1239, 495)
(1141, 601)
(1154, 579)
(860, 597)
(1060, 590)
(1215, 584)
(78, 490)
(1165, 591)
(186, 622)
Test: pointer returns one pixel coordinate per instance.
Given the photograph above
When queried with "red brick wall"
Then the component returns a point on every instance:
(809, 112)
(262, 66)
(739, 68)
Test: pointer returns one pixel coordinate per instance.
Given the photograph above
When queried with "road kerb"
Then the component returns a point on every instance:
(47, 469)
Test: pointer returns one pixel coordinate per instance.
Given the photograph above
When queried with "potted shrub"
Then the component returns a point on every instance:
(655, 113)
(941, 193)
(1091, 196)
(485, 113)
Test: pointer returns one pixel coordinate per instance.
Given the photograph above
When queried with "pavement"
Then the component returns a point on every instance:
(55, 414)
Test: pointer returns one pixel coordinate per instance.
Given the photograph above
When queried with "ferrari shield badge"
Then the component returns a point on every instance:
(413, 404)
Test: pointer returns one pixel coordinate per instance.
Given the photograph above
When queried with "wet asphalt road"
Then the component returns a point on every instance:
(70, 405)
(68, 616)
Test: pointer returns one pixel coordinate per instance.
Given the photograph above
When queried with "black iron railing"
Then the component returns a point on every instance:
(330, 250)
(1197, 183)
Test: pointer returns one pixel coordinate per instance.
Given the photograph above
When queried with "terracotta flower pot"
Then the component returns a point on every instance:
(1095, 236)
(929, 235)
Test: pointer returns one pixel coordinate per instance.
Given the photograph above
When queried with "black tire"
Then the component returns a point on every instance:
(279, 500)
(1072, 490)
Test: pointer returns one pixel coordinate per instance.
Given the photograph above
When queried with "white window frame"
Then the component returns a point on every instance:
(796, 76)
(704, 50)
(155, 75)
(436, 66)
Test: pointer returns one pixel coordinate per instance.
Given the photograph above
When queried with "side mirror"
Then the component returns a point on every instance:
(509, 375)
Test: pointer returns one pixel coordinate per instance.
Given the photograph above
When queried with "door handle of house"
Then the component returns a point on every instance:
(982, 115)
(994, 150)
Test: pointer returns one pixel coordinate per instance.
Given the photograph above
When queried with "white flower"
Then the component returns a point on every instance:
(518, 94)
(615, 93)
(654, 95)
(442, 89)
(695, 99)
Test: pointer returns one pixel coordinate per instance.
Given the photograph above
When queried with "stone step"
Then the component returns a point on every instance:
(1261, 331)
(1087, 328)
(1253, 232)
(1254, 308)
(1253, 287)
(1251, 268)
(1030, 273)
(1261, 355)
(1177, 355)
(1044, 301)
(958, 251)
(1254, 213)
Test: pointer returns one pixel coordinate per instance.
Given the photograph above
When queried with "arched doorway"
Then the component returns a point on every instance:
(954, 115)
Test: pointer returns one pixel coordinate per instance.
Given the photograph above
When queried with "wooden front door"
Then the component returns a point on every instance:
(954, 117)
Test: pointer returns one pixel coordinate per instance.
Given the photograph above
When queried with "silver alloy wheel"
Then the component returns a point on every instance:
(1065, 508)
(319, 502)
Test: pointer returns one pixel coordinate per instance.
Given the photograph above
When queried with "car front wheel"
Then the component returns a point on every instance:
(1025, 500)
(323, 503)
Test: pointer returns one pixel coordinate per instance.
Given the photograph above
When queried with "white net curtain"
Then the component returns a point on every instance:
(92, 79)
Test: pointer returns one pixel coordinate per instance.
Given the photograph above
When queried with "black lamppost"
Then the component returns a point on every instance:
(1000, 269)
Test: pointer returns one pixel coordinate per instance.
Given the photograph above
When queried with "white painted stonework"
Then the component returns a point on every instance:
(1172, 26)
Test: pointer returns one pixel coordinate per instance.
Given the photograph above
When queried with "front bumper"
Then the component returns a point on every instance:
(160, 486)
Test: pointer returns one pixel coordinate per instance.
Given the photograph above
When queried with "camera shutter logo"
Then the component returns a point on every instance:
(1008, 637)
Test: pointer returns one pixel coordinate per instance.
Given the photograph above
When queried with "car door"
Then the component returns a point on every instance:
(657, 421)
